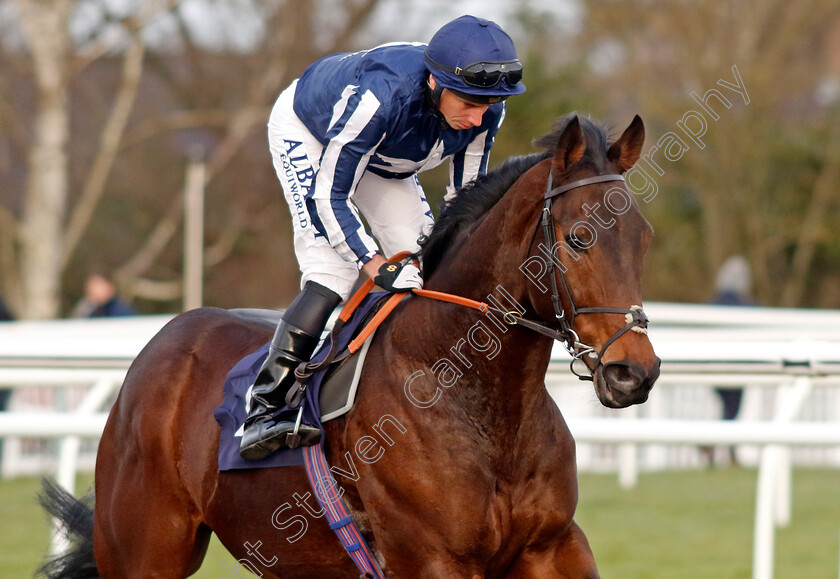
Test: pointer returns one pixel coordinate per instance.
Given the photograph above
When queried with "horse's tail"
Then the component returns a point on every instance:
(76, 524)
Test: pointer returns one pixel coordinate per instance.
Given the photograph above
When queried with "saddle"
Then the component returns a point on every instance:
(338, 392)
(332, 380)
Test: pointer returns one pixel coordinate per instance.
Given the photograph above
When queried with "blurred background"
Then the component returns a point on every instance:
(103, 103)
(135, 178)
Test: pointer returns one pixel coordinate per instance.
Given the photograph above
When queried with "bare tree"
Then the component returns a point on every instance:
(44, 24)
(296, 36)
(41, 230)
(752, 188)
(44, 238)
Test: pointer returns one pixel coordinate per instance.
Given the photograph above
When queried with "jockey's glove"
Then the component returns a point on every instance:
(399, 277)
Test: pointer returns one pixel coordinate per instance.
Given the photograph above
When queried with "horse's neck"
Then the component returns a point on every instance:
(495, 364)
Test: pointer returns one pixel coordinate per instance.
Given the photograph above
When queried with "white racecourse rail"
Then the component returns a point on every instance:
(787, 361)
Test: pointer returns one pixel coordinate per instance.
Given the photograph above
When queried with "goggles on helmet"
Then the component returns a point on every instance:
(485, 74)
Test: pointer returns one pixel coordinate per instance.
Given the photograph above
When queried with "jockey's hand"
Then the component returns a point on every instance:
(399, 277)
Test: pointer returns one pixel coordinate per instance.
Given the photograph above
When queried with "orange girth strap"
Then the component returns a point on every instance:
(377, 319)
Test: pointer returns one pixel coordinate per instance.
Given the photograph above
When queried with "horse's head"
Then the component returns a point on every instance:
(585, 261)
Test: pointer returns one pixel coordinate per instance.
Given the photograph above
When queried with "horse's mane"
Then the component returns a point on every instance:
(476, 198)
(471, 202)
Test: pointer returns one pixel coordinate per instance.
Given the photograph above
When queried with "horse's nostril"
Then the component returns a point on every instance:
(627, 381)
(619, 374)
(621, 377)
(622, 383)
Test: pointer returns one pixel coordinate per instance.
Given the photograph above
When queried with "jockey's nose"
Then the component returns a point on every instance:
(476, 114)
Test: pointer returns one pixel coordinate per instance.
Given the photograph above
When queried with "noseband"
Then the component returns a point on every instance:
(635, 318)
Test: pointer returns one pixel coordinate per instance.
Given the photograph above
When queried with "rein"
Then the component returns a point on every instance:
(634, 317)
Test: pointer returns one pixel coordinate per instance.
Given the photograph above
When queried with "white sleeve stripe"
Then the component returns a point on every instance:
(368, 105)
(473, 157)
(341, 105)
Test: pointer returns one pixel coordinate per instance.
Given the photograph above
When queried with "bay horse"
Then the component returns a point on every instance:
(455, 461)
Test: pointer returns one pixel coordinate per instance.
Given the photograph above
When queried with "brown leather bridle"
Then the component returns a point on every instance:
(634, 315)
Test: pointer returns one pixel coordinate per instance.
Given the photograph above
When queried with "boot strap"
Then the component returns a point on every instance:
(295, 395)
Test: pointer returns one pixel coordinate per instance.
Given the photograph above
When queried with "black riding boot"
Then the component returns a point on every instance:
(294, 341)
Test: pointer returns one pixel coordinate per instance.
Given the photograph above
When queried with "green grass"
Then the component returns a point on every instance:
(699, 524)
(690, 524)
(22, 549)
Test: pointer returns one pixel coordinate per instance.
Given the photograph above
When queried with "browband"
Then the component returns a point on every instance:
(575, 184)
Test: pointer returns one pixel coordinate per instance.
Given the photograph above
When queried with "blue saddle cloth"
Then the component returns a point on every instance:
(231, 414)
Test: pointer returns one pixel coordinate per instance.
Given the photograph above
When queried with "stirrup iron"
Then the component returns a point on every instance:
(293, 438)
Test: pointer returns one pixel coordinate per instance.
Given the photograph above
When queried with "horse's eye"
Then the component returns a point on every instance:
(581, 241)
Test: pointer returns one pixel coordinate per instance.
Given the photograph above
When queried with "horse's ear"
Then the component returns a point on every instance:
(570, 146)
(628, 148)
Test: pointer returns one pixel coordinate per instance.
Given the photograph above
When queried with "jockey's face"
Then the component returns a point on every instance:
(459, 113)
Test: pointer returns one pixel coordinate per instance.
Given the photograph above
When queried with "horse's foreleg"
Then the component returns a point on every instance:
(569, 558)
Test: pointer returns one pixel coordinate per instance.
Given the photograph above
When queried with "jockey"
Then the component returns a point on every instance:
(360, 127)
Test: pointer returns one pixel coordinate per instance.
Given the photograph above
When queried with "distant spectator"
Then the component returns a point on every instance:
(101, 300)
(5, 393)
(733, 288)
(734, 283)
(5, 314)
